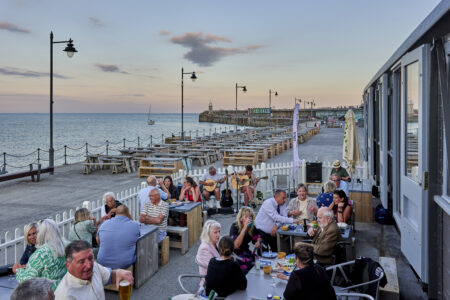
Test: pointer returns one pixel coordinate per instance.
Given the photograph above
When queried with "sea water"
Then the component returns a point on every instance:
(22, 134)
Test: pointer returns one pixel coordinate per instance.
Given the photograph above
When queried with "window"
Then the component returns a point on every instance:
(412, 121)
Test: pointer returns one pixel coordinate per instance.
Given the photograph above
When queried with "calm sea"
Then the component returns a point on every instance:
(22, 134)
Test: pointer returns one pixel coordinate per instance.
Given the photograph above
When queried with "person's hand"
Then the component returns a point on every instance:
(311, 232)
(246, 223)
(161, 218)
(112, 211)
(282, 276)
(124, 275)
(258, 244)
(296, 212)
(17, 266)
(274, 230)
(341, 205)
(312, 209)
(160, 182)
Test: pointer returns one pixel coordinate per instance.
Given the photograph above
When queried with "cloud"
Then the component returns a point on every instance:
(202, 53)
(12, 27)
(164, 32)
(97, 22)
(27, 73)
(110, 68)
(129, 95)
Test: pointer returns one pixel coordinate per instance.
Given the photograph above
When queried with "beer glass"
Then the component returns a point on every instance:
(124, 290)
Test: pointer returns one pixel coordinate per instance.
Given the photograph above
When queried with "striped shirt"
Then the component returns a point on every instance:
(155, 210)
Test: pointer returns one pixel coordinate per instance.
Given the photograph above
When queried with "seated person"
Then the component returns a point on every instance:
(208, 248)
(341, 171)
(30, 234)
(340, 184)
(84, 227)
(243, 232)
(249, 190)
(85, 278)
(109, 209)
(224, 275)
(212, 175)
(171, 188)
(117, 239)
(341, 208)
(310, 281)
(152, 183)
(34, 288)
(302, 207)
(156, 213)
(325, 237)
(190, 191)
(271, 216)
(326, 198)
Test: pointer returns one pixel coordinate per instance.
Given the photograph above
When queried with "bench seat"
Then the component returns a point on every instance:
(183, 234)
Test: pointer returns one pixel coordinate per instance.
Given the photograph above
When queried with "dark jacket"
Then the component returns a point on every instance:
(365, 270)
(224, 277)
(27, 253)
(324, 242)
(309, 283)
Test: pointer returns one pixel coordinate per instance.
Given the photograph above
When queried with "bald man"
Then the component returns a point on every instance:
(152, 182)
(117, 238)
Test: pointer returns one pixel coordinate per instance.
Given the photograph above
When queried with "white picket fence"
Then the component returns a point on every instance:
(12, 246)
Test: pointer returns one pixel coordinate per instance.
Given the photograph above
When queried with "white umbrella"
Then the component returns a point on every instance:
(350, 151)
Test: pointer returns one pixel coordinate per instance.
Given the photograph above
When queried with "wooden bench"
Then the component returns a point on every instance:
(157, 171)
(32, 172)
(115, 165)
(391, 290)
(238, 160)
(182, 238)
(164, 252)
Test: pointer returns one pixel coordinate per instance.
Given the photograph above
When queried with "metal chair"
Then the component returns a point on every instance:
(281, 182)
(351, 296)
(200, 290)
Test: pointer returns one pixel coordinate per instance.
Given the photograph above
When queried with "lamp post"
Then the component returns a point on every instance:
(297, 100)
(312, 104)
(70, 50)
(193, 77)
(244, 89)
(270, 97)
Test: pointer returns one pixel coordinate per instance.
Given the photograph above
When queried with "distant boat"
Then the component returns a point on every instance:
(149, 120)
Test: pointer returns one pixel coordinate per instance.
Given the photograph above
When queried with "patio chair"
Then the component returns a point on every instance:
(362, 275)
(352, 296)
(281, 182)
(199, 291)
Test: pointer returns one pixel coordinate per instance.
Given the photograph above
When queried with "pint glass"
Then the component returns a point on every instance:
(124, 290)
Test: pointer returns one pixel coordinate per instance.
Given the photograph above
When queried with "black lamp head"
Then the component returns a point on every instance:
(70, 49)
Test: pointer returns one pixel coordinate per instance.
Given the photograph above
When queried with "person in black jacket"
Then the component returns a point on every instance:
(30, 234)
(310, 281)
(224, 275)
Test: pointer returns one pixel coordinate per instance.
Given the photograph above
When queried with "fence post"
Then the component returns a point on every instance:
(123, 143)
(65, 154)
(107, 147)
(162, 138)
(87, 149)
(203, 131)
(190, 133)
(39, 157)
(264, 182)
(151, 140)
(197, 133)
(4, 162)
(138, 142)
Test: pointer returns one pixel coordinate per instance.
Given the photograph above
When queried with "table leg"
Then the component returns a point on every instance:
(278, 242)
(194, 224)
(127, 165)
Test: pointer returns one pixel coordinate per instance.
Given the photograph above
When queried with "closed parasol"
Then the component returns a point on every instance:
(350, 151)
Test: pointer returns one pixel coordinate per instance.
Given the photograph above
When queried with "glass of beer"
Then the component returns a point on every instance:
(124, 290)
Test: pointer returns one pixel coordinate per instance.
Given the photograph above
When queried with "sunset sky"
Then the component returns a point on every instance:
(130, 53)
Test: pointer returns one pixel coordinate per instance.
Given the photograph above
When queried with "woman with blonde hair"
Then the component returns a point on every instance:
(243, 232)
(48, 261)
(326, 198)
(302, 207)
(208, 248)
(84, 227)
(30, 233)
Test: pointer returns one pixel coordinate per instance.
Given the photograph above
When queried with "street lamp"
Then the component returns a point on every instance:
(297, 100)
(70, 50)
(270, 97)
(312, 104)
(193, 77)
(244, 89)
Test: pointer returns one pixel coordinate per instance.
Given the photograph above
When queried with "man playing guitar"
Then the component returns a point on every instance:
(210, 182)
(249, 190)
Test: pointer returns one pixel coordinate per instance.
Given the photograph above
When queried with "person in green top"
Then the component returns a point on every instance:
(337, 169)
(48, 261)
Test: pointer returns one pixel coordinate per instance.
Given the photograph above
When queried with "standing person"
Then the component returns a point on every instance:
(310, 281)
(85, 278)
(34, 288)
(340, 207)
(302, 207)
(171, 188)
(117, 238)
(143, 195)
(224, 275)
(249, 190)
(326, 198)
(271, 216)
(190, 191)
(208, 248)
(30, 234)
(243, 232)
(218, 180)
(48, 260)
(340, 184)
(341, 171)
(156, 212)
(109, 208)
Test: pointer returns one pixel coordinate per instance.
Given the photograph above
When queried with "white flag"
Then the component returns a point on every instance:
(296, 162)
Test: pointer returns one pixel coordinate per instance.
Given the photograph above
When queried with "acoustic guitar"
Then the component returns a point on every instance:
(210, 188)
(244, 180)
(226, 199)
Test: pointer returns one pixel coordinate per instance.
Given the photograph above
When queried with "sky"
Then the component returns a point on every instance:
(130, 53)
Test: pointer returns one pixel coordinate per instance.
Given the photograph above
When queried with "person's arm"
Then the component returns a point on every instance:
(146, 219)
(239, 236)
(25, 256)
(223, 179)
(291, 209)
(163, 189)
(326, 246)
(275, 216)
(293, 287)
(239, 277)
(182, 192)
(35, 265)
(344, 215)
(195, 193)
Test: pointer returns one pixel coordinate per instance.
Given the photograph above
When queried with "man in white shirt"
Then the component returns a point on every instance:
(156, 213)
(272, 214)
(85, 278)
(152, 183)
(211, 179)
(340, 184)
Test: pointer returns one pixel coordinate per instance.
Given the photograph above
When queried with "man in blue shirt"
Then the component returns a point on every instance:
(117, 238)
(143, 195)
(340, 184)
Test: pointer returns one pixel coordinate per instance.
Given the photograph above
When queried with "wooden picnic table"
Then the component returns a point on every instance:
(127, 161)
(160, 166)
(239, 157)
(193, 211)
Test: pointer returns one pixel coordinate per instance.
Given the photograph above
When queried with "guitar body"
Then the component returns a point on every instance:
(210, 188)
(226, 200)
(244, 181)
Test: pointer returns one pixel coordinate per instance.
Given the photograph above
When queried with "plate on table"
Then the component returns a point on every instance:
(342, 225)
(267, 254)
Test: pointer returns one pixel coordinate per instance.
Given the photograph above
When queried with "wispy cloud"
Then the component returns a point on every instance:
(96, 22)
(27, 73)
(12, 27)
(129, 95)
(164, 32)
(202, 53)
(110, 68)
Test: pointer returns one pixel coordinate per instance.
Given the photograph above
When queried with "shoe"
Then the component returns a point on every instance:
(253, 205)
(218, 204)
(211, 204)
